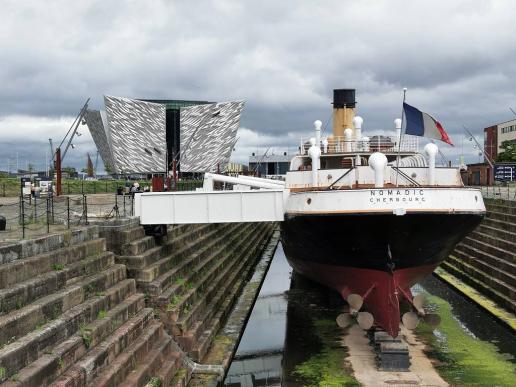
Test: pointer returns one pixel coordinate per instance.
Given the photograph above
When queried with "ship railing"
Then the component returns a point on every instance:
(384, 144)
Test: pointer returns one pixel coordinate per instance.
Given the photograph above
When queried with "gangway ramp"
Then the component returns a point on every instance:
(264, 205)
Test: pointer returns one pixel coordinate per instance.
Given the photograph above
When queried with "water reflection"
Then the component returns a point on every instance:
(260, 353)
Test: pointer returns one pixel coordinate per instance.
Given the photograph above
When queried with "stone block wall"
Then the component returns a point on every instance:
(70, 316)
(486, 259)
(74, 313)
(192, 277)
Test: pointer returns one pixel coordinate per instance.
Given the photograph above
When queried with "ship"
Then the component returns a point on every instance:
(372, 216)
(368, 216)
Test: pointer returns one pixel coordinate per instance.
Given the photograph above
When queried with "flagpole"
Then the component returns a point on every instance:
(401, 135)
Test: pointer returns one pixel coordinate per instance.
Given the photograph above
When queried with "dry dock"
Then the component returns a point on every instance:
(107, 304)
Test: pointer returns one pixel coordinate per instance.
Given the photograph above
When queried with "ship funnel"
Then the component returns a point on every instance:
(343, 110)
(378, 162)
(431, 150)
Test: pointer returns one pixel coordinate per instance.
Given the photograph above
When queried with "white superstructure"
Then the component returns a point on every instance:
(355, 175)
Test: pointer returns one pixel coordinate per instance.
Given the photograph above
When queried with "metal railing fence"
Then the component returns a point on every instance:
(27, 216)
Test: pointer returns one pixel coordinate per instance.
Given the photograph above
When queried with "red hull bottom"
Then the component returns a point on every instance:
(382, 291)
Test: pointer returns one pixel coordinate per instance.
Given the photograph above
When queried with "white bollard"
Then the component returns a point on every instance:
(315, 153)
(378, 162)
(431, 150)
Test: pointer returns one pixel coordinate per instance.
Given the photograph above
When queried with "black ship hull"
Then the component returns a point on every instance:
(378, 256)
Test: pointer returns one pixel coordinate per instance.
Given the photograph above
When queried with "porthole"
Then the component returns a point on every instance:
(308, 201)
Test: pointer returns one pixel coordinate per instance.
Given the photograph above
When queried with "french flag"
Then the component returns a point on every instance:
(418, 123)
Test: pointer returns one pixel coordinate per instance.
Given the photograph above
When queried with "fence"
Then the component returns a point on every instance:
(28, 216)
(499, 192)
(11, 187)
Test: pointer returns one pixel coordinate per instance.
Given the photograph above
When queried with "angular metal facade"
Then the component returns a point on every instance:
(137, 135)
(99, 131)
(208, 135)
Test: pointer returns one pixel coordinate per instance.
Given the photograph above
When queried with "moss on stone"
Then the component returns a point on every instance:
(463, 360)
(484, 302)
(327, 368)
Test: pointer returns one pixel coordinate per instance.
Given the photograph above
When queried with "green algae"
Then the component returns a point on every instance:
(327, 368)
(460, 358)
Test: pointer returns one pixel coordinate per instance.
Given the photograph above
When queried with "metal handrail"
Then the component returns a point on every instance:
(384, 144)
(343, 175)
(403, 174)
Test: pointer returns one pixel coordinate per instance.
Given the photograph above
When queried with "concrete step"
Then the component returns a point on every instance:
(499, 268)
(94, 333)
(169, 369)
(195, 251)
(500, 298)
(25, 350)
(192, 302)
(173, 263)
(495, 232)
(101, 356)
(216, 295)
(19, 322)
(151, 363)
(494, 241)
(50, 365)
(488, 279)
(489, 253)
(138, 246)
(44, 244)
(502, 216)
(27, 268)
(185, 271)
(132, 234)
(223, 302)
(117, 372)
(491, 265)
(500, 224)
(21, 294)
(473, 242)
(183, 234)
(135, 263)
(500, 207)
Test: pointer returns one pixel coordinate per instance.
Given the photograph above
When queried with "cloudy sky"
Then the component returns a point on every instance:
(457, 59)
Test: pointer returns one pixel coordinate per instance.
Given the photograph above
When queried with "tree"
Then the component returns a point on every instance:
(509, 151)
(71, 171)
(108, 169)
(30, 168)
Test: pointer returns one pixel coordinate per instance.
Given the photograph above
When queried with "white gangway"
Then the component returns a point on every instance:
(255, 200)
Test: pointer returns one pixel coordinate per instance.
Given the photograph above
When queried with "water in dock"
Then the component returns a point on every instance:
(292, 339)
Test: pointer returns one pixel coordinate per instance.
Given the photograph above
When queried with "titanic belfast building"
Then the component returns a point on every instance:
(146, 135)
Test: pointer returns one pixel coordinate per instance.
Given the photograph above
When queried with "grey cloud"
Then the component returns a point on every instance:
(458, 58)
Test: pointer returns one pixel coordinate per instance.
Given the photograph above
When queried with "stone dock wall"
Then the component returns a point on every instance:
(107, 305)
(486, 259)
